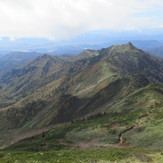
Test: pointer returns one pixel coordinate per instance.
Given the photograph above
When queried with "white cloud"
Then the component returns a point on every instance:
(61, 19)
(161, 26)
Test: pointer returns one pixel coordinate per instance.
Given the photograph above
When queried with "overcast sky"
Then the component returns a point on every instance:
(62, 19)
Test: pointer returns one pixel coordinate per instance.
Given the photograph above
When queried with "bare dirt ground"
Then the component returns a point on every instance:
(95, 145)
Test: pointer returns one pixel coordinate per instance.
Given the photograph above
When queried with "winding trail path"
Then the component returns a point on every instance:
(130, 128)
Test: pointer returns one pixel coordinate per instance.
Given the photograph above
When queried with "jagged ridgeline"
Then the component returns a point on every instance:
(112, 95)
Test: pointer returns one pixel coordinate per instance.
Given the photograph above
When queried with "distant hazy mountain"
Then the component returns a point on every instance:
(14, 59)
(146, 44)
(143, 39)
(157, 51)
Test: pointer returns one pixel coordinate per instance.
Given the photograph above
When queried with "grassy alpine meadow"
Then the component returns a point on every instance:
(80, 156)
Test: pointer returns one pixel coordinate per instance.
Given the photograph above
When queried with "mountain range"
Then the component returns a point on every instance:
(111, 96)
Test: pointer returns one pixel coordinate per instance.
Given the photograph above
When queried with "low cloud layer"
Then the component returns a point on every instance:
(62, 19)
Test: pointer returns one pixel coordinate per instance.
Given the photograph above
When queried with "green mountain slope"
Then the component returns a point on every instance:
(14, 59)
(134, 121)
(27, 78)
(118, 86)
